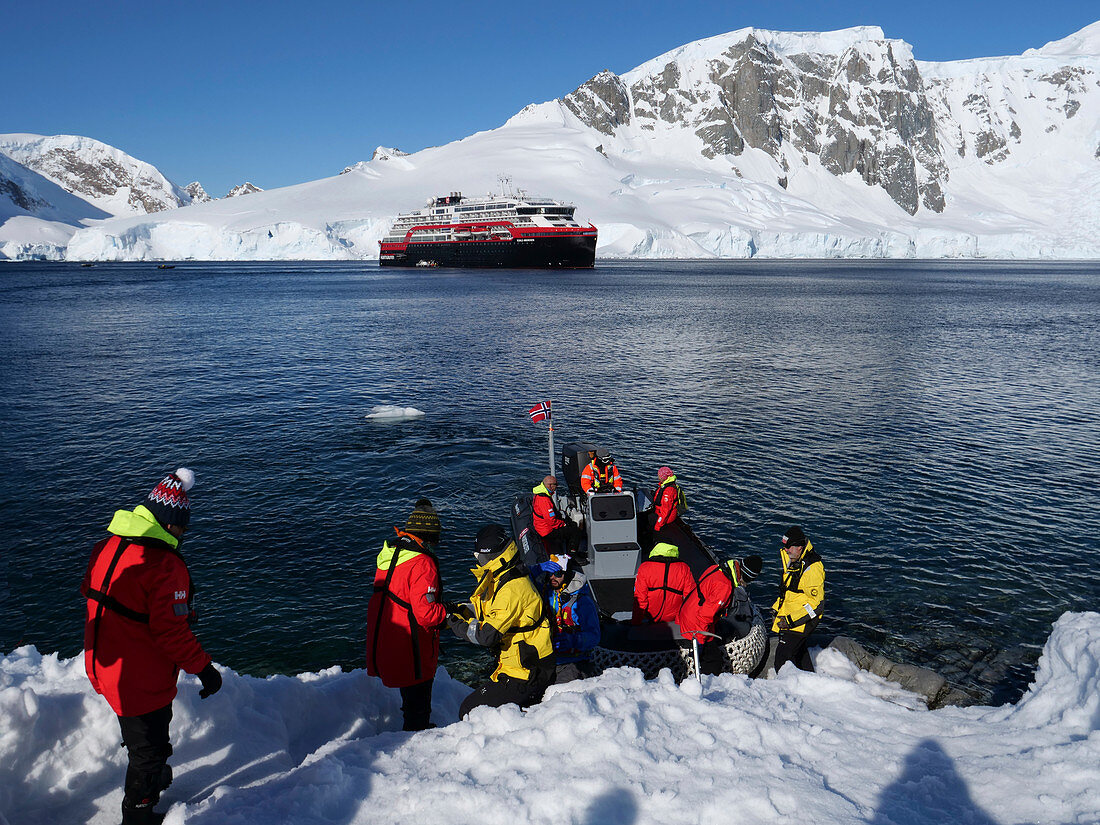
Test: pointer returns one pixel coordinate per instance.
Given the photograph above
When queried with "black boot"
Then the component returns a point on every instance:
(140, 813)
(165, 778)
(416, 706)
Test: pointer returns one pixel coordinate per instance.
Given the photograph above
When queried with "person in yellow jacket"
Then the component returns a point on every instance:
(799, 606)
(507, 615)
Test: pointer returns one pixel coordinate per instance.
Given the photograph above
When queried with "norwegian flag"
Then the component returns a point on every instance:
(540, 412)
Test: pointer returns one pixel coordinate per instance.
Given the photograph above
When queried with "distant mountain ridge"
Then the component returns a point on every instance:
(103, 175)
(67, 181)
(851, 101)
(246, 188)
(747, 143)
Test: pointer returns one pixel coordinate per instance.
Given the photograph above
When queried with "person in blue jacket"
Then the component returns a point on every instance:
(576, 620)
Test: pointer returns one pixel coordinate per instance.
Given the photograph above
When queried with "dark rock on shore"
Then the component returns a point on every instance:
(937, 691)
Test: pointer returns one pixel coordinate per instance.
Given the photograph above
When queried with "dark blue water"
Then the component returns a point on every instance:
(935, 427)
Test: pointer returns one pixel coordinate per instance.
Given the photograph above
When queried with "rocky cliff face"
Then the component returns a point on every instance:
(603, 103)
(21, 196)
(858, 104)
(100, 174)
(985, 113)
(197, 194)
(245, 188)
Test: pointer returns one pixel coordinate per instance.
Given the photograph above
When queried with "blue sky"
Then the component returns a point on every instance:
(280, 93)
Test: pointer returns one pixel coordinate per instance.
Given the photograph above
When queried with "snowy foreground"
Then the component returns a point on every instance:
(838, 746)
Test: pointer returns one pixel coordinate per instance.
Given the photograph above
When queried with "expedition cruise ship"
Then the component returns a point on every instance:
(506, 230)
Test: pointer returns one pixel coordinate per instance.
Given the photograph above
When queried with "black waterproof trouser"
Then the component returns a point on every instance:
(792, 648)
(572, 671)
(711, 660)
(507, 690)
(147, 774)
(416, 705)
(651, 535)
(564, 539)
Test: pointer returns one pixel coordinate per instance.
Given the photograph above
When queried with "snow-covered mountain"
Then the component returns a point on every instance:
(748, 143)
(37, 217)
(102, 175)
(246, 188)
(49, 186)
(197, 193)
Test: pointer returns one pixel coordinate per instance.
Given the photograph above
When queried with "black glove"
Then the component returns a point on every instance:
(450, 607)
(458, 625)
(211, 681)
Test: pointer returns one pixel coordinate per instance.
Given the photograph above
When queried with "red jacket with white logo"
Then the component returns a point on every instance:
(137, 631)
(704, 605)
(405, 614)
(545, 517)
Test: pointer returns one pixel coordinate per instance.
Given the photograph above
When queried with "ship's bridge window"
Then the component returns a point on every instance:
(545, 210)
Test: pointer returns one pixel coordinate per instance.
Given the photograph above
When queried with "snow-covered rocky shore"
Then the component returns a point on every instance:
(837, 746)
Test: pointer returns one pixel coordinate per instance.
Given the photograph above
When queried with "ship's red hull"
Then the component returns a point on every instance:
(541, 248)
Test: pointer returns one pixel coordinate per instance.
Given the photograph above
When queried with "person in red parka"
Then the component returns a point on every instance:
(702, 609)
(405, 614)
(660, 585)
(556, 532)
(668, 500)
(137, 634)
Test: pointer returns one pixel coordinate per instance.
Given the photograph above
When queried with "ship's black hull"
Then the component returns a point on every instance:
(564, 252)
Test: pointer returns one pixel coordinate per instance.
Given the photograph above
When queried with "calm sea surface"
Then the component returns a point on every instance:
(935, 427)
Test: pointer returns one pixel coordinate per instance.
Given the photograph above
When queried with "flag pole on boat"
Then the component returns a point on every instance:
(541, 412)
(550, 421)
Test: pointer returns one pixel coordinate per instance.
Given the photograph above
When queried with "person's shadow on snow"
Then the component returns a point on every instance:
(616, 807)
(929, 792)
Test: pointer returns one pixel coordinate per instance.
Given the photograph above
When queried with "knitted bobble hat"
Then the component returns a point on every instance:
(169, 502)
(424, 522)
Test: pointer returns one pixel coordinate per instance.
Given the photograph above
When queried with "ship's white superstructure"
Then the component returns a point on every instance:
(448, 220)
(504, 230)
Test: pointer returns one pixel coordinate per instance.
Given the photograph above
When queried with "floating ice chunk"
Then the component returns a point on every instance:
(388, 412)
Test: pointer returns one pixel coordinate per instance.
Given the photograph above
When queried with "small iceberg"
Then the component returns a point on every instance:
(388, 412)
